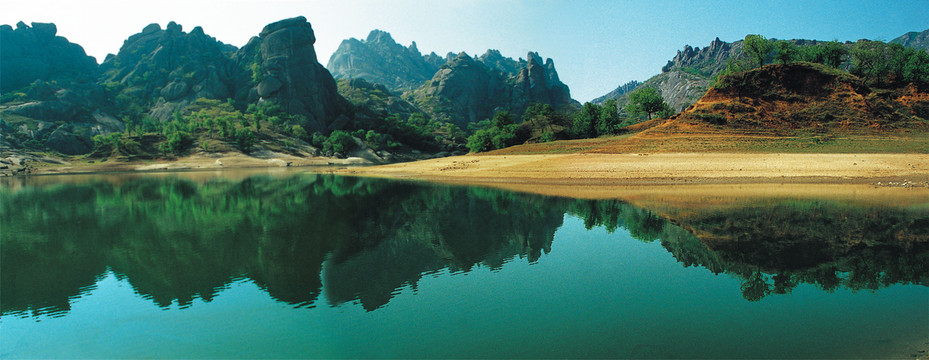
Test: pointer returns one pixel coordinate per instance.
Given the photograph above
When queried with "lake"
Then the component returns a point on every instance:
(302, 265)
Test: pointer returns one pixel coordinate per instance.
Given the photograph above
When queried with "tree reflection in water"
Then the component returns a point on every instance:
(176, 240)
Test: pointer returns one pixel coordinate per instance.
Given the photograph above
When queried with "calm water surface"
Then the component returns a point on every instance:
(318, 266)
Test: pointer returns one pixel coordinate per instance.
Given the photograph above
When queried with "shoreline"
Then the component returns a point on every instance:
(904, 170)
(563, 174)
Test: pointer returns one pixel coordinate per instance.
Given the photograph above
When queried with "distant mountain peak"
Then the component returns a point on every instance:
(380, 59)
(913, 39)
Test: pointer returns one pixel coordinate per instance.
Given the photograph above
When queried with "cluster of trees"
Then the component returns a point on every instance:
(541, 123)
(876, 62)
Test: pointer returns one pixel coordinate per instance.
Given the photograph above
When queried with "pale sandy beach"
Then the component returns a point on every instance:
(665, 168)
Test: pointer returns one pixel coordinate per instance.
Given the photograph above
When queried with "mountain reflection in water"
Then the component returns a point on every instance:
(175, 240)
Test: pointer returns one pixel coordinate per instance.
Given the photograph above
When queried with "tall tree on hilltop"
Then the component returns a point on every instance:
(785, 52)
(757, 47)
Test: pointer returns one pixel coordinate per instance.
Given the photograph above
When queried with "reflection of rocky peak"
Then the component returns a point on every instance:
(171, 68)
(36, 53)
(379, 59)
(283, 62)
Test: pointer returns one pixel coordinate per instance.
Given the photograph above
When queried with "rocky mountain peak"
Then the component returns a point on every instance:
(170, 68)
(467, 89)
(709, 60)
(379, 36)
(380, 59)
(285, 70)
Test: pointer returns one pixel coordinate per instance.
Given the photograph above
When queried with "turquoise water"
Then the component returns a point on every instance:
(308, 266)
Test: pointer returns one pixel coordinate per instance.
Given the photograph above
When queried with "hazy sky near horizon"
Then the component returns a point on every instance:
(596, 45)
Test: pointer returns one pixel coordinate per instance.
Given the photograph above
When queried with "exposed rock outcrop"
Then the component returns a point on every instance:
(379, 59)
(285, 70)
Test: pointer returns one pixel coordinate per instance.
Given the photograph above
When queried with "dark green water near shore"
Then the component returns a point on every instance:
(321, 266)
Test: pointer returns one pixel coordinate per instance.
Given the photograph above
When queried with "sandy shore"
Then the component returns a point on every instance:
(665, 168)
(211, 161)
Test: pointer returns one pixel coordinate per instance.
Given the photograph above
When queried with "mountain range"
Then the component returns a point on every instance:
(458, 88)
(54, 96)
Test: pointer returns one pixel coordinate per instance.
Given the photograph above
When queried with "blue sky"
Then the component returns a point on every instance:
(596, 45)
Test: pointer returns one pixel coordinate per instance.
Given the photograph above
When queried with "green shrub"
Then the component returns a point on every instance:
(245, 138)
(339, 141)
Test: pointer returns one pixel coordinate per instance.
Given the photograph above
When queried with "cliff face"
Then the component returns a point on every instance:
(379, 59)
(284, 69)
(467, 90)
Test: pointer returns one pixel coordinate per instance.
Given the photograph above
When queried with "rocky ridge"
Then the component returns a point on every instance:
(169, 69)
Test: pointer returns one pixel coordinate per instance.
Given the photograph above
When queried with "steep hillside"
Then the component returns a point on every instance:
(786, 99)
(164, 70)
(467, 90)
(379, 59)
(618, 92)
(686, 77)
(168, 92)
(918, 40)
(50, 97)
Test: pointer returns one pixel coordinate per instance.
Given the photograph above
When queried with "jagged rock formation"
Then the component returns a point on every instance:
(156, 72)
(686, 77)
(467, 90)
(707, 61)
(919, 40)
(285, 70)
(379, 59)
(36, 53)
(167, 69)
